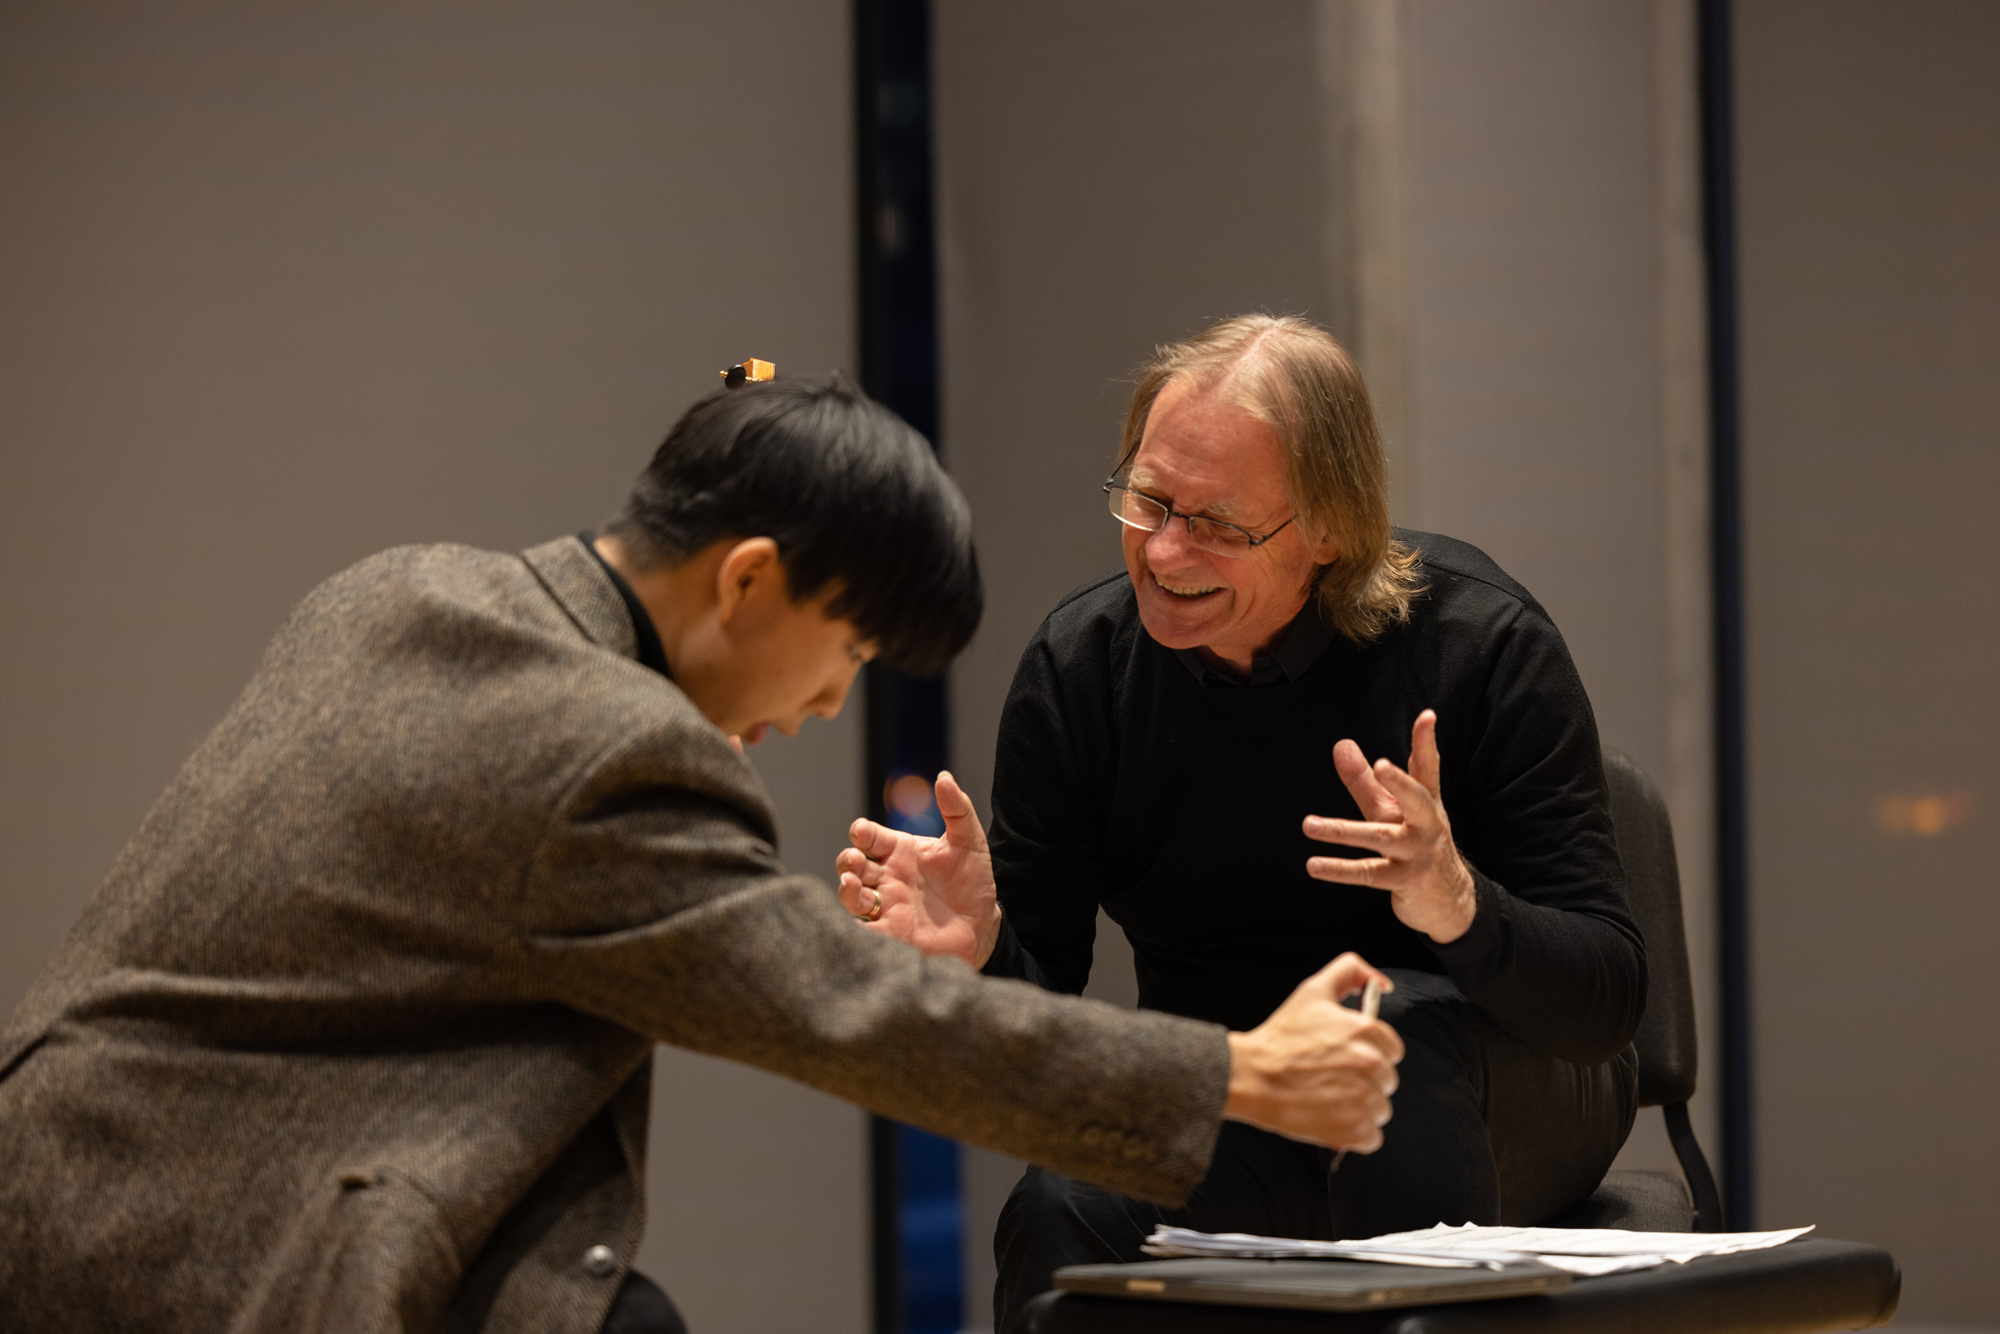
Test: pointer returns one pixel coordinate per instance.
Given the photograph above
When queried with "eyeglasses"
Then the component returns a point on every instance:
(1135, 509)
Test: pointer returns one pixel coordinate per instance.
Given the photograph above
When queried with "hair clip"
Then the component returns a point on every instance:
(748, 369)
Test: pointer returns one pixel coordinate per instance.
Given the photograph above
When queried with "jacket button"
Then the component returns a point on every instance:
(1135, 1147)
(1092, 1136)
(600, 1262)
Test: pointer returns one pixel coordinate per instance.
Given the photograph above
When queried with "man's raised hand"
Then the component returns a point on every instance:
(1316, 1070)
(934, 893)
(1404, 824)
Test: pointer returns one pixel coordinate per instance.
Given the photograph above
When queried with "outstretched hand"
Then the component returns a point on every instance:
(934, 893)
(1404, 823)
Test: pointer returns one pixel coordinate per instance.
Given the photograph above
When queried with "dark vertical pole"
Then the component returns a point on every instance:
(1726, 473)
(913, 1176)
(885, 1234)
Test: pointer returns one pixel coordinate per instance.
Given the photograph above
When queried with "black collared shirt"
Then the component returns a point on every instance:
(651, 652)
(1297, 649)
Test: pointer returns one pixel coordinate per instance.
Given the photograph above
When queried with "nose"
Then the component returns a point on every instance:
(1170, 547)
(828, 704)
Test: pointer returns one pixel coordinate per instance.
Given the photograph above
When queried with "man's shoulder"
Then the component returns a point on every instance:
(480, 663)
(1109, 592)
(1456, 572)
(393, 582)
(455, 591)
(435, 567)
(1091, 617)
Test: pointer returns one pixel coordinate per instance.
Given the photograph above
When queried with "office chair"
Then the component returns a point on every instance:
(1655, 1201)
(1811, 1284)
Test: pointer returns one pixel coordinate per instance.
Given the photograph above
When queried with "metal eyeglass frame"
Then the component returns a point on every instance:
(1112, 484)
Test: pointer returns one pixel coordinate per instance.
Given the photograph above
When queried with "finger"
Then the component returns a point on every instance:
(1367, 872)
(1375, 1115)
(1420, 804)
(737, 742)
(1383, 1075)
(1369, 794)
(856, 897)
(1355, 833)
(872, 839)
(1383, 1039)
(851, 862)
(1349, 973)
(1424, 764)
(961, 821)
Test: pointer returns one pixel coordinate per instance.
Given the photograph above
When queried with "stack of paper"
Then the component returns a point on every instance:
(1585, 1251)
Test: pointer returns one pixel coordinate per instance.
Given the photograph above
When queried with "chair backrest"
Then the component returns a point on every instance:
(1666, 1040)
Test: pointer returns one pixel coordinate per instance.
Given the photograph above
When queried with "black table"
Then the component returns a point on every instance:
(1801, 1287)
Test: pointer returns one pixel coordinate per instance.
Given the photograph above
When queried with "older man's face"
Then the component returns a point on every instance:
(1204, 455)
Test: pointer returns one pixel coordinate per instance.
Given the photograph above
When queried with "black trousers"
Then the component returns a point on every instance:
(1484, 1131)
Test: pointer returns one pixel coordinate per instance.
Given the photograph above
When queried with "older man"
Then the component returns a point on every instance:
(1183, 738)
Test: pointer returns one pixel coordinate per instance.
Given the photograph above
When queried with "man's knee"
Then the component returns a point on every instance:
(1049, 1214)
(642, 1307)
(1429, 1010)
(1040, 1195)
(1051, 1220)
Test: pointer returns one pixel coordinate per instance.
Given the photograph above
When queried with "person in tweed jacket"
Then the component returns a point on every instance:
(357, 1035)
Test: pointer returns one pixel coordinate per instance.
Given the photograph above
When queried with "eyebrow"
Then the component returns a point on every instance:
(1143, 481)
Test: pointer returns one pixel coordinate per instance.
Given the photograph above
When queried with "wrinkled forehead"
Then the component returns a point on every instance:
(1206, 453)
(1191, 497)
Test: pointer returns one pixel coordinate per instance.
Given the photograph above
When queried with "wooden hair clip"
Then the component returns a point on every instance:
(748, 369)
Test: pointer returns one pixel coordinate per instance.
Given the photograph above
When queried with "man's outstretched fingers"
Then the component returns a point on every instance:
(853, 862)
(1352, 833)
(1425, 766)
(1375, 801)
(961, 821)
(1419, 803)
(874, 841)
(856, 897)
(1367, 872)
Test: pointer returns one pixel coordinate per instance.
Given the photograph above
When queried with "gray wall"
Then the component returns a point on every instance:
(1869, 136)
(1123, 173)
(1545, 401)
(281, 286)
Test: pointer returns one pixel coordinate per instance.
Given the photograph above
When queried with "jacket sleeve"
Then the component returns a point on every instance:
(656, 901)
(1553, 953)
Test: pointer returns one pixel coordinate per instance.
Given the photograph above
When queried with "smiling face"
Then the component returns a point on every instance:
(1203, 454)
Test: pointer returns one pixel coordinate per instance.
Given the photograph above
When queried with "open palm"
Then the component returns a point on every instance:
(935, 893)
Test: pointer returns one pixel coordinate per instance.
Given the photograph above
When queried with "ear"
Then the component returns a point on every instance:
(750, 571)
(1323, 550)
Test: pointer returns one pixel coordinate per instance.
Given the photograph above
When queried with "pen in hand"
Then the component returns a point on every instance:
(1371, 1005)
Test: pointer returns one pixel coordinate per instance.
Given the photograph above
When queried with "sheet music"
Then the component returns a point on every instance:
(1589, 1252)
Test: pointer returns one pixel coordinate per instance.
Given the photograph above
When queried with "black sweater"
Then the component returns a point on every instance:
(1121, 780)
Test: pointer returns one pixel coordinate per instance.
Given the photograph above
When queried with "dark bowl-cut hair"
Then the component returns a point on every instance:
(852, 495)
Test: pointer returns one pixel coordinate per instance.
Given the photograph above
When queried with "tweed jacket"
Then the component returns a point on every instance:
(357, 1035)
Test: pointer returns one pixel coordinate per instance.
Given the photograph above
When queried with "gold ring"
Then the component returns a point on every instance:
(875, 912)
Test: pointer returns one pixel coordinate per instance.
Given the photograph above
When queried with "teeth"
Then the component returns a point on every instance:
(1187, 592)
